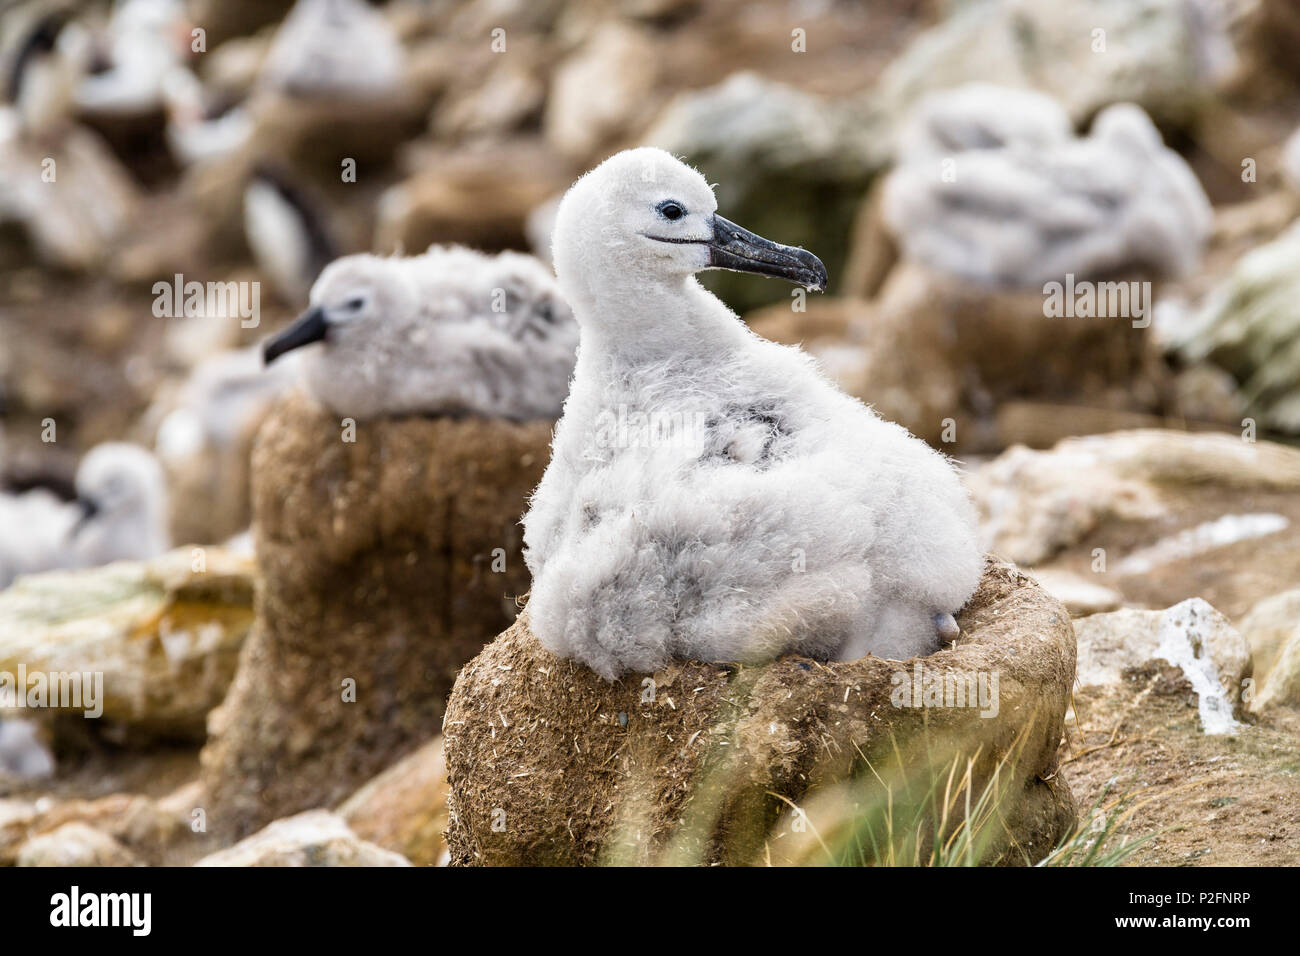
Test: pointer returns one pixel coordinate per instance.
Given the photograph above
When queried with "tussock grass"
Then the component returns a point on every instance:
(1101, 837)
(912, 805)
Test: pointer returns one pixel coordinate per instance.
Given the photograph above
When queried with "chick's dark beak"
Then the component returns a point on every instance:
(307, 328)
(88, 507)
(735, 248)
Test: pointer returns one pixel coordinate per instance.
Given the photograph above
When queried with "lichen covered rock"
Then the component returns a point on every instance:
(164, 635)
(1191, 635)
(388, 561)
(1249, 326)
(1170, 56)
(702, 762)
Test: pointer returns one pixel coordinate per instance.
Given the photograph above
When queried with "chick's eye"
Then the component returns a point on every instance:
(354, 305)
(671, 210)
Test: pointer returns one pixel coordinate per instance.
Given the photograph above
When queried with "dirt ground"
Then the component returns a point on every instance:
(1208, 801)
(1230, 800)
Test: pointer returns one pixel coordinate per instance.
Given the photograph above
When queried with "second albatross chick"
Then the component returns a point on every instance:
(120, 515)
(711, 495)
(452, 331)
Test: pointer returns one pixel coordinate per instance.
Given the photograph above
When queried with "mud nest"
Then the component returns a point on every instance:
(790, 761)
(387, 562)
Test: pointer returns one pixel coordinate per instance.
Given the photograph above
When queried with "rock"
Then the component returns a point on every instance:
(183, 800)
(205, 430)
(1155, 515)
(314, 137)
(17, 817)
(934, 349)
(1035, 504)
(1268, 627)
(476, 198)
(1250, 327)
(749, 119)
(233, 66)
(1206, 393)
(1198, 539)
(1276, 35)
(475, 20)
(147, 827)
(788, 165)
(69, 363)
(1205, 800)
(1282, 685)
(1165, 55)
(1079, 595)
(1241, 226)
(828, 325)
(1043, 424)
(503, 95)
(656, 9)
(548, 763)
(1291, 160)
(404, 809)
(1191, 635)
(164, 634)
(1114, 642)
(601, 91)
(1272, 629)
(314, 838)
(15, 811)
(335, 50)
(143, 827)
(74, 844)
(72, 220)
(872, 251)
(223, 19)
(382, 560)
(540, 226)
